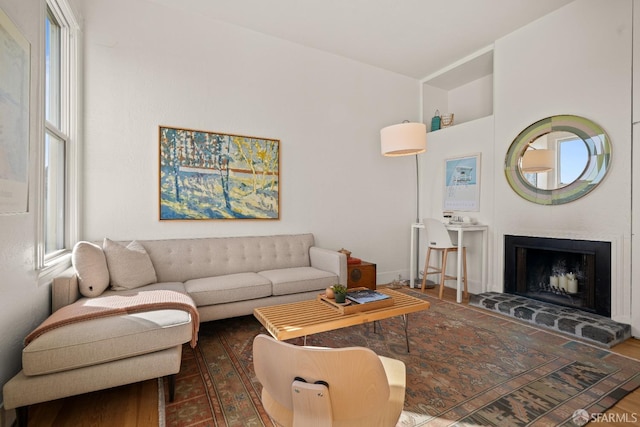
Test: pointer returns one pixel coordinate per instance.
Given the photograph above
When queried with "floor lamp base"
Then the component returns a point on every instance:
(417, 283)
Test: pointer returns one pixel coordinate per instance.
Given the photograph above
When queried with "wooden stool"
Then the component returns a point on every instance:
(440, 241)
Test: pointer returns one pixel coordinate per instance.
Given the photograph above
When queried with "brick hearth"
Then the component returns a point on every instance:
(591, 327)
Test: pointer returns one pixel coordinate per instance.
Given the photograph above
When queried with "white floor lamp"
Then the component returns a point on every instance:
(406, 139)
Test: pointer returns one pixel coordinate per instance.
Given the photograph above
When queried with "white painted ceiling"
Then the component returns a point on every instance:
(411, 37)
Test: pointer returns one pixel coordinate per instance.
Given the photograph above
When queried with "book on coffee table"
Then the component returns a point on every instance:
(363, 296)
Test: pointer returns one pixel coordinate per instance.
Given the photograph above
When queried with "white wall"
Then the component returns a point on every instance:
(468, 102)
(24, 303)
(588, 43)
(24, 299)
(148, 65)
(461, 140)
(635, 212)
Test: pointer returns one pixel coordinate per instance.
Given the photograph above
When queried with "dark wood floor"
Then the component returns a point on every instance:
(136, 405)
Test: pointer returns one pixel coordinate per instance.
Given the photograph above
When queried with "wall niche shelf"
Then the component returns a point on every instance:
(464, 88)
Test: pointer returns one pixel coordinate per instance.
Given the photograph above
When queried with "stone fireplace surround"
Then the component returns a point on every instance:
(584, 325)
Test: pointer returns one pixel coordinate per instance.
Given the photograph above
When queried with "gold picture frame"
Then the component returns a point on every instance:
(208, 175)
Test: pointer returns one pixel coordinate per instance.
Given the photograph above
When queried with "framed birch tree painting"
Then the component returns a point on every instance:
(209, 175)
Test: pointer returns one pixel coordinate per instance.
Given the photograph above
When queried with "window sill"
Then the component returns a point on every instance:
(53, 267)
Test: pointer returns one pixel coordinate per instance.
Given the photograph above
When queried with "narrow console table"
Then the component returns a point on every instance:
(460, 229)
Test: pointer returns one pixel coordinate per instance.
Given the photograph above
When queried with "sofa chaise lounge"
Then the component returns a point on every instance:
(220, 277)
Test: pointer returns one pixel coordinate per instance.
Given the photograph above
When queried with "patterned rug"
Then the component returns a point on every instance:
(466, 366)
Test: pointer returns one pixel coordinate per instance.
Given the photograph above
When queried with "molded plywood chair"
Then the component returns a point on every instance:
(439, 240)
(314, 386)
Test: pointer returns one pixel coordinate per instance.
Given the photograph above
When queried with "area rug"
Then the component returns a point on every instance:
(466, 367)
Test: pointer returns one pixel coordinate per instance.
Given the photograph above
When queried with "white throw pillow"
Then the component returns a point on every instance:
(129, 266)
(91, 268)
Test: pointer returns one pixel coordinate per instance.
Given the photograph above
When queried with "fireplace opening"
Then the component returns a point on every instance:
(566, 272)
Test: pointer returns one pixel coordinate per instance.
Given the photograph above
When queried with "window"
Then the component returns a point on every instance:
(573, 157)
(58, 201)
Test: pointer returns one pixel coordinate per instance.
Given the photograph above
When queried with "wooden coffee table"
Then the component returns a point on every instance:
(299, 319)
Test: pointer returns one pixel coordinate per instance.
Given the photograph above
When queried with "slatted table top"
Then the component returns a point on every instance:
(303, 318)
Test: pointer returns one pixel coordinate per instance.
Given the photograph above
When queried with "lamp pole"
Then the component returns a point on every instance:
(406, 139)
(417, 243)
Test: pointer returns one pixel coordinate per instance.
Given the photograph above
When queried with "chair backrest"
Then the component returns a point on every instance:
(437, 234)
(355, 380)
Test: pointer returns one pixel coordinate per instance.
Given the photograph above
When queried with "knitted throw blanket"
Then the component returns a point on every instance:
(118, 304)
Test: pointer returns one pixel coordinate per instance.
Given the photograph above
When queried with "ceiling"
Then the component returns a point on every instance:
(411, 37)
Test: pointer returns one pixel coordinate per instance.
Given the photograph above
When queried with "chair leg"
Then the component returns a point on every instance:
(22, 416)
(443, 273)
(426, 269)
(172, 387)
(464, 267)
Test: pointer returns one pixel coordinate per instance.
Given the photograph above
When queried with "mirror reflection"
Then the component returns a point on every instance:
(554, 160)
(558, 159)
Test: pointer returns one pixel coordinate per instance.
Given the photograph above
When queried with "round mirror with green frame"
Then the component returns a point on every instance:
(575, 153)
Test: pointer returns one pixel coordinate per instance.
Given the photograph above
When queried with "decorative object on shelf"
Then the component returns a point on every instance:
(345, 251)
(590, 158)
(461, 220)
(339, 293)
(365, 296)
(210, 175)
(446, 120)
(350, 260)
(406, 139)
(435, 121)
(329, 292)
(348, 307)
(462, 183)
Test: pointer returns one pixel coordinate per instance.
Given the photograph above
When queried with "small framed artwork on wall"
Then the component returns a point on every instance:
(462, 183)
(210, 175)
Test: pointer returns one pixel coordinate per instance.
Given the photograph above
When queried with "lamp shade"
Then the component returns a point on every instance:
(404, 139)
(536, 161)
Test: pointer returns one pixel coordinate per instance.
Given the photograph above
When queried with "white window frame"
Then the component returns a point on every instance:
(51, 264)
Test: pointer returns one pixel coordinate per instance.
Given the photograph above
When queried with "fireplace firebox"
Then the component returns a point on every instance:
(566, 272)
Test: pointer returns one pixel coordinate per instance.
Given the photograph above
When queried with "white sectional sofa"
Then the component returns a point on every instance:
(223, 277)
